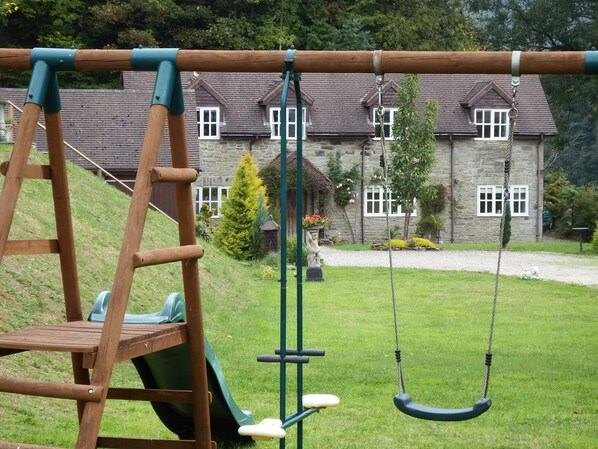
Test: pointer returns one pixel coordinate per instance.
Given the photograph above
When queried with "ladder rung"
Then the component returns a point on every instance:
(167, 255)
(51, 389)
(17, 247)
(170, 174)
(31, 171)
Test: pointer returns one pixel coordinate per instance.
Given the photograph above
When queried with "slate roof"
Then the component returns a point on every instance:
(335, 102)
(108, 126)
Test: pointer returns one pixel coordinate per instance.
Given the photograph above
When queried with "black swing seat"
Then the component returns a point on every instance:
(406, 405)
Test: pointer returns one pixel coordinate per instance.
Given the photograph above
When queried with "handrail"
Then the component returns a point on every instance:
(449, 62)
(103, 170)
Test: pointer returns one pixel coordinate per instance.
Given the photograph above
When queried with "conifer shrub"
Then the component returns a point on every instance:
(235, 233)
(203, 223)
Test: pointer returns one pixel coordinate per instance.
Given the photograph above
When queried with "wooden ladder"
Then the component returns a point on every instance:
(99, 346)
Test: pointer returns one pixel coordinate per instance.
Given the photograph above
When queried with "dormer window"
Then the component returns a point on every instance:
(291, 123)
(208, 122)
(492, 124)
(389, 116)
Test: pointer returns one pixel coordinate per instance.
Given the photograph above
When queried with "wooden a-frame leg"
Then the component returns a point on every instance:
(123, 280)
(14, 175)
(197, 356)
(66, 240)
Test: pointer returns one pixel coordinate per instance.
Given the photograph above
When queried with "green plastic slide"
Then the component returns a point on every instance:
(169, 369)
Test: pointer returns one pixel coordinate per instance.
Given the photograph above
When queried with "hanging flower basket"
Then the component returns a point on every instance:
(314, 221)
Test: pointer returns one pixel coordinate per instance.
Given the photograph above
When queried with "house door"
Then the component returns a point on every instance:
(308, 209)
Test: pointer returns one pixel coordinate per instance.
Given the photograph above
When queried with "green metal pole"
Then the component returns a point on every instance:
(299, 184)
(283, 237)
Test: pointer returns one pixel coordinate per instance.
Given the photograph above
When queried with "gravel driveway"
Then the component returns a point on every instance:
(557, 267)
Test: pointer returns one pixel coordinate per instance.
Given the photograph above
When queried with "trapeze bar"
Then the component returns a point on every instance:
(565, 62)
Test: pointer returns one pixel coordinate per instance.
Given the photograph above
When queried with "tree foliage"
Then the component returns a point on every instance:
(570, 205)
(235, 232)
(556, 26)
(413, 148)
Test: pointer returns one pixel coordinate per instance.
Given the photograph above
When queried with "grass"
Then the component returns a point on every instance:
(560, 247)
(544, 378)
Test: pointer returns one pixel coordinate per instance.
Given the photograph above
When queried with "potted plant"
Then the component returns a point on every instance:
(314, 221)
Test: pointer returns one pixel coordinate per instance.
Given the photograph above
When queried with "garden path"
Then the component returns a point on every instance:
(558, 267)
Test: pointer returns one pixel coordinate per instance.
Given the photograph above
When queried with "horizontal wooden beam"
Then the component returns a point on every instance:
(7, 445)
(137, 443)
(565, 62)
(167, 255)
(31, 171)
(135, 394)
(18, 247)
(51, 389)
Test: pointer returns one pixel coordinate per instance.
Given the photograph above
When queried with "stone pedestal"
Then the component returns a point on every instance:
(314, 274)
(314, 269)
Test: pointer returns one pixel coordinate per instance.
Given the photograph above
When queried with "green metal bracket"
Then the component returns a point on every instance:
(149, 59)
(591, 62)
(43, 86)
(168, 90)
(59, 59)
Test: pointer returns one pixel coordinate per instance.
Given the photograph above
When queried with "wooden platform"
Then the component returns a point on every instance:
(84, 337)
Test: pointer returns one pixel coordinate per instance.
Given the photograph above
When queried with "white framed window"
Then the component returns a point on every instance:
(291, 123)
(519, 201)
(208, 123)
(389, 116)
(213, 196)
(492, 124)
(375, 203)
(490, 201)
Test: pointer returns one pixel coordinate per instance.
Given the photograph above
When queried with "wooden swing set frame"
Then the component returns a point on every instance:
(96, 347)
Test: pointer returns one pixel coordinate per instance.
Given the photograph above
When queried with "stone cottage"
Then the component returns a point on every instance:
(239, 112)
(229, 114)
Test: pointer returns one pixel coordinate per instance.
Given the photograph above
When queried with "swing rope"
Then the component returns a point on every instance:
(513, 112)
(402, 400)
(383, 159)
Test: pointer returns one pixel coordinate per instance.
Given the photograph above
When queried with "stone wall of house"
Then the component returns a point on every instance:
(474, 163)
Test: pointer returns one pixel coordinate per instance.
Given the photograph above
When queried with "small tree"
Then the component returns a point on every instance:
(235, 233)
(413, 148)
(506, 231)
(344, 185)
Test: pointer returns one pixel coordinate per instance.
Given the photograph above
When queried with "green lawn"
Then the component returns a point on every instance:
(544, 383)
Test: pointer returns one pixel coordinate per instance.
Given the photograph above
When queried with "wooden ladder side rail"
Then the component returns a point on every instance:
(123, 280)
(65, 236)
(14, 174)
(197, 354)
